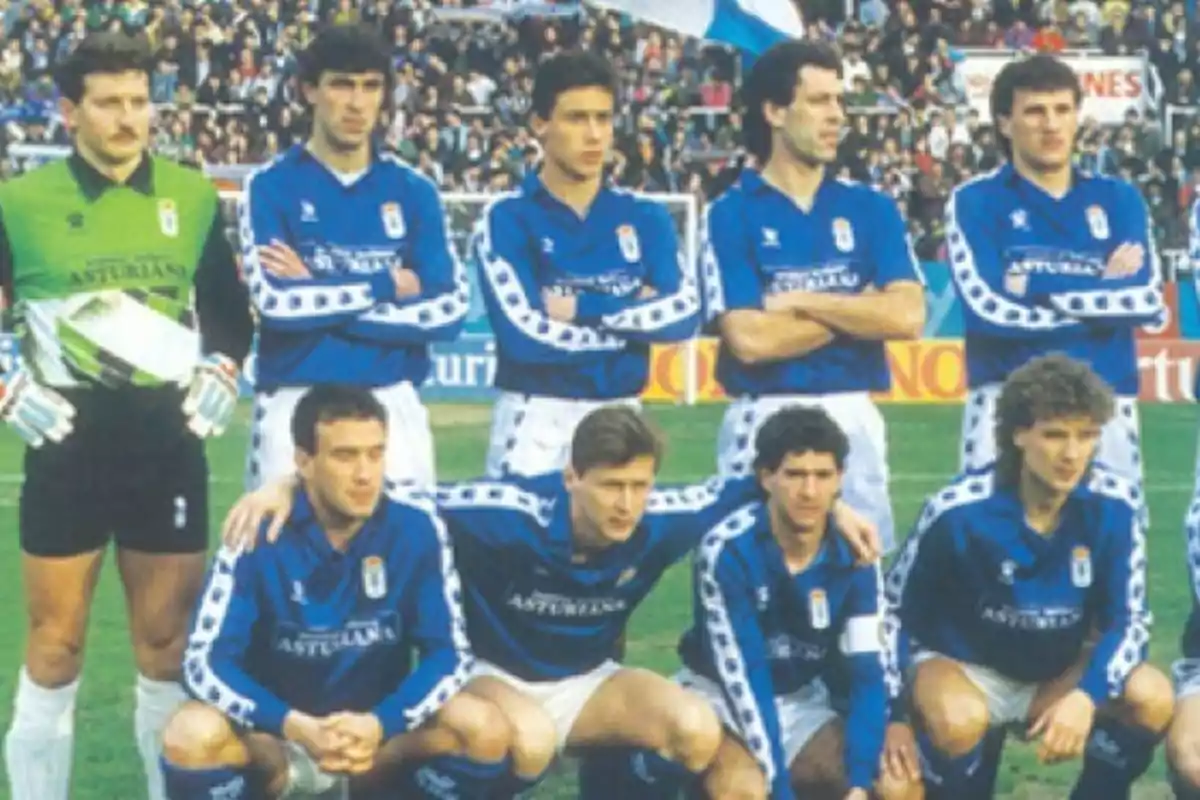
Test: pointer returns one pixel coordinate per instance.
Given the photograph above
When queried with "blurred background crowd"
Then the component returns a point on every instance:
(224, 86)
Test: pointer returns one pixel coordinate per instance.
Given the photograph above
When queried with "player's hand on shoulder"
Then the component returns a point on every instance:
(272, 501)
(559, 307)
(1064, 727)
(36, 413)
(408, 283)
(212, 396)
(282, 261)
(1128, 259)
(900, 761)
(859, 532)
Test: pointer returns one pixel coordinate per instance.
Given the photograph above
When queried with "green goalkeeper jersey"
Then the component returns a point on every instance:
(119, 284)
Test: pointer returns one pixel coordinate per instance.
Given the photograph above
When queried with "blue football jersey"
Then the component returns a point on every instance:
(344, 324)
(529, 242)
(537, 608)
(758, 242)
(300, 625)
(761, 632)
(1030, 271)
(974, 582)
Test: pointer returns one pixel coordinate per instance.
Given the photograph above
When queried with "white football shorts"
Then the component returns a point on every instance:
(1008, 700)
(410, 455)
(865, 481)
(563, 699)
(531, 434)
(801, 714)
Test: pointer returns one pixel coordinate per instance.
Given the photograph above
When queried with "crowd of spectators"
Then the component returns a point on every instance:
(223, 82)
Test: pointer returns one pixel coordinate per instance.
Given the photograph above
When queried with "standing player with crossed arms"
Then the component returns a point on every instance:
(1047, 258)
(806, 276)
(121, 276)
(348, 263)
(1183, 740)
(579, 279)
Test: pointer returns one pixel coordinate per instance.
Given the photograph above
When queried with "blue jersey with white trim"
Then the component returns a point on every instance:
(344, 323)
(1031, 273)
(974, 582)
(299, 625)
(529, 242)
(758, 242)
(1189, 644)
(537, 607)
(757, 625)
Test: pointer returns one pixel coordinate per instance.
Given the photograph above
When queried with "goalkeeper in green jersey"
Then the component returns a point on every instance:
(132, 324)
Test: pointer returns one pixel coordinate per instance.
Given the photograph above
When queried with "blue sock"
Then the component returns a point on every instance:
(204, 784)
(631, 774)
(1116, 756)
(1182, 789)
(454, 776)
(966, 777)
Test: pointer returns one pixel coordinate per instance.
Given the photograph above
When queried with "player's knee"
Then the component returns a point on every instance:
(740, 782)
(534, 742)
(893, 788)
(1149, 699)
(198, 736)
(695, 733)
(482, 731)
(54, 657)
(954, 723)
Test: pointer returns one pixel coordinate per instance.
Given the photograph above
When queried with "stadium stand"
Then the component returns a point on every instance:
(224, 84)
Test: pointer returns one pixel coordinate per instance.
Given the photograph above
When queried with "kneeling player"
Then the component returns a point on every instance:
(1008, 575)
(779, 600)
(300, 658)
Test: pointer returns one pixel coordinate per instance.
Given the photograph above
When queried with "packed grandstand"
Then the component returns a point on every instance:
(916, 75)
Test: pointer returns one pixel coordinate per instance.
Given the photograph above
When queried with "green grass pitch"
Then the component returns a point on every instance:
(923, 446)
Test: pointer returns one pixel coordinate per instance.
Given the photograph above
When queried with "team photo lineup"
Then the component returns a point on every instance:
(356, 625)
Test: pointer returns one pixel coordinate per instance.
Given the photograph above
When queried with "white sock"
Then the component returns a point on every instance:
(38, 747)
(155, 702)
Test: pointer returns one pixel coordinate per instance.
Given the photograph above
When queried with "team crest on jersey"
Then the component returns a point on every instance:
(1016, 282)
(843, 235)
(168, 217)
(1081, 567)
(374, 577)
(1008, 571)
(627, 238)
(818, 609)
(1098, 222)
(393, 220)
(626, 575)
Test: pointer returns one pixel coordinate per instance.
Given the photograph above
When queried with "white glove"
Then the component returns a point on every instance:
(35, 412)
(212, 396)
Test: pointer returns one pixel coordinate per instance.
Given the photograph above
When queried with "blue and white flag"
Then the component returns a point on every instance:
(750, 25)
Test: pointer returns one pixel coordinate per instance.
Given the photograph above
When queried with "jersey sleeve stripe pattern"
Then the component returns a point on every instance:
(714, 292)
(983, 301)
(963, 491)
(512, 302)
(199, 676)
(685, 500)
(448, 686)
(483, 494)
(727, 657)
(663, 312)
(1131, 650)
(298, 302)
(436, 312)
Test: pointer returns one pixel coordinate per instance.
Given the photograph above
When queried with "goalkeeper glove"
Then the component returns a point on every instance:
(212, 396)
(35, 412)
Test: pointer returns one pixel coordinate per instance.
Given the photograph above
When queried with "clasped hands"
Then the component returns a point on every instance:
(343, 743)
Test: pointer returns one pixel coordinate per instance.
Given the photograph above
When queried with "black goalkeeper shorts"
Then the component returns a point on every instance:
(79, 495)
